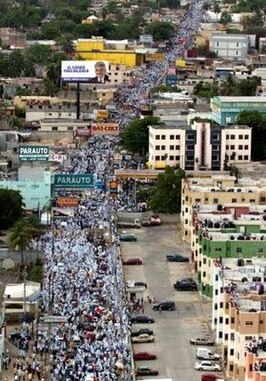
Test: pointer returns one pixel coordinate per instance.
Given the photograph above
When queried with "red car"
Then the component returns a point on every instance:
(132, 261)
(144, 356)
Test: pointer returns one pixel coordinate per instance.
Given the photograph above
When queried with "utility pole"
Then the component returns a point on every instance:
(25, 291)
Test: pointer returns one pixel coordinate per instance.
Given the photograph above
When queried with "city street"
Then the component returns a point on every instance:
(172, 330)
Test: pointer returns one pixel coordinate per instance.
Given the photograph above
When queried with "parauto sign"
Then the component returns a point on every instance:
(33, 153)
(73, 181)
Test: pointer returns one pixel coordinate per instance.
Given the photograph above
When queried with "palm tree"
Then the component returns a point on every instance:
(20, 238)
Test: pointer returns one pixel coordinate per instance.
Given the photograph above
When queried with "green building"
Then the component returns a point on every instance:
(246, 240)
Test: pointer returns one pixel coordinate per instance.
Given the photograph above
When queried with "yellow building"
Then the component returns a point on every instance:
(94, 49)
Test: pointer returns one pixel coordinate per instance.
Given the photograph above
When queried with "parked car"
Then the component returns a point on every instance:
(142, 319)
(146, 371)
(132, 261)
(211, 377)
(143, 338)
(186, 284)
(168, 305)
(207, 365)
(139, 356)
(176, 258)
(134, 283)
(141, 331)
(155, 220)
(202, 341)
(128, 238)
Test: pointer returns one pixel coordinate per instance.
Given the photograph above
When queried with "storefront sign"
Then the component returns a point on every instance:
(72, 181)
(104, 128)
(33, 153)
(67, 202)
(57, 157)
(83, 132)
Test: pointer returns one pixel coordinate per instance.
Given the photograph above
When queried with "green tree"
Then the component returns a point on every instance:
(160, 30)
(39, 54)
(257, 121)
(135, 137)
(225, 18)
(206, 90)
(11, 207)
(167, 195)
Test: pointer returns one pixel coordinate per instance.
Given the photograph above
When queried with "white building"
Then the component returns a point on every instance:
(199, 147)
(232, 47)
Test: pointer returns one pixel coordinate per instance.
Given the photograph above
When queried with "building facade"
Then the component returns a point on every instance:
(199, 147)
(225, 110)
(231, 47)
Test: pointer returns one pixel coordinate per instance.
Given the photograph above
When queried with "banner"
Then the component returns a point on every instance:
(104, 129)
(85, 71)
(33, 153)
(73, 181)
(67, 202)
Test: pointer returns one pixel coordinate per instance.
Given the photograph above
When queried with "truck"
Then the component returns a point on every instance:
(137, 219)
(136, 224)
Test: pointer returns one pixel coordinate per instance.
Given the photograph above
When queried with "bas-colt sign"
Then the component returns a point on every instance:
(104, 129)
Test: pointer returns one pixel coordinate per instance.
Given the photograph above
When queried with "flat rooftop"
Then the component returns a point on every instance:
(233, 99)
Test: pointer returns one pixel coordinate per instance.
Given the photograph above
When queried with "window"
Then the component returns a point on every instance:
(190, 157)
(246, 137)
(239, 250)
(217, 44)
(177, 157)
(204, 261)
(240, 146)
(231, 352)
(190, 137)
(262, 199)
(221, 319)
(218, 249)
(171, 158)
(248, 322)
(240, 157)
(177, 147)
(231, 368)
(260, 249)
(232, 146)
(157, 137)
(216, 293)
(172, 137)
(215, 200)
(227, 146)
(206, 199)
(245, 157)
(163, 148)
(157, 157)
(232, 336)
(227, 137)
(172, 148)
(234, 200)
(157, 148)
(70, 128)
(236, 52)
(177, 137)
(245, 147)
(163, 137)
(54, 128)
(232, 321)
(240, 137)
(221, 305)
(233, 137)
(220, 334)
(248, 338)
(226, 321)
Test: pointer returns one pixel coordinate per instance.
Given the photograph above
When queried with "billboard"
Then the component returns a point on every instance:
(104, 129)
(73, 181)
(85, 71)
(33, 153)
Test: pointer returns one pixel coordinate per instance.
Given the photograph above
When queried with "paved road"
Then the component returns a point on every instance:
(172, 329)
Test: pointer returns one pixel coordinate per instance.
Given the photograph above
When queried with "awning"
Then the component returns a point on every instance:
(34, 297)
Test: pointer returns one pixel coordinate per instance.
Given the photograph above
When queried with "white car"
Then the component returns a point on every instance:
(207, 365)
(143, 338)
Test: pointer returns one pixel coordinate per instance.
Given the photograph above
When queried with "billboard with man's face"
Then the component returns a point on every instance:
(85, 71)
